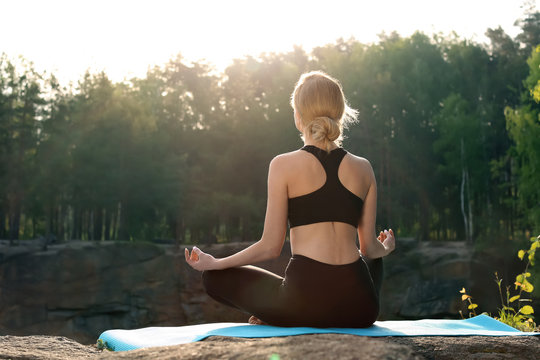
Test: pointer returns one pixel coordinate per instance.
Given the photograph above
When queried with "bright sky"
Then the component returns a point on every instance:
(125, 37)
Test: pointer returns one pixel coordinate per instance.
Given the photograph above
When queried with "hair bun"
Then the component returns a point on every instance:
(324, 129)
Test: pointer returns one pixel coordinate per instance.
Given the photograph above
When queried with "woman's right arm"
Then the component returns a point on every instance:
(370, 245)
(275, 228)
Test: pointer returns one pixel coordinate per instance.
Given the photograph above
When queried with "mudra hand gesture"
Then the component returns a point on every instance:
(200, 260)
(388, 240)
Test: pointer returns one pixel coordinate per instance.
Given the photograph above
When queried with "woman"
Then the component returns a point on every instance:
(328, 196)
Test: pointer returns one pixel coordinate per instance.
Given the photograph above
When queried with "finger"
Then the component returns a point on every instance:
(186, 254)
(195, 253)
(392, 232)
(391, 243)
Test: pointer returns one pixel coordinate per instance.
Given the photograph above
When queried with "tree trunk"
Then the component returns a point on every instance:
(176, 226)
(464, 182)
(52, 224)
(107, 218)
(90, 224)
(58, 221)
(122, 220)
(77, 223)
(14, 219)
(62, 210)
(469, 203)
(182, 230)
(49, 226)
(98, 224)
(424, 215)
(33, 227)
(2, 223)
(116, 220)
(462, 201)
(114, 225)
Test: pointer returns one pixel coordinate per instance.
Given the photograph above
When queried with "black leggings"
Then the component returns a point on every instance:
(311, 294)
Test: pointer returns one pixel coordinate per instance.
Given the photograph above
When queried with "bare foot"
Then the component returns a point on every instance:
(256, 321)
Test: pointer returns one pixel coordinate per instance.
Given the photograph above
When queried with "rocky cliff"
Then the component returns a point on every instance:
(79, 289)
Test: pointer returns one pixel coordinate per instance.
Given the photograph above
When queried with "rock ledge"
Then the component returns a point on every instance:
(318, 346)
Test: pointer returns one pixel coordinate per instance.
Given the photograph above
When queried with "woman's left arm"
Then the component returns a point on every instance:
(275, 228)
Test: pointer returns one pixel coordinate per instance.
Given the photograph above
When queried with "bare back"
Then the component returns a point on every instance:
(328, 242)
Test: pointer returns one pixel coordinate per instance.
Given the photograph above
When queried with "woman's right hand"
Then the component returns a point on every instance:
(388, 240)
(200, 260)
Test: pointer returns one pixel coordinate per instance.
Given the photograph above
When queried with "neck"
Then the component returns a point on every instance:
(319, 144)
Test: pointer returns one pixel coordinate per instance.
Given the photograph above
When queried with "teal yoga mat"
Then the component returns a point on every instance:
(483, 325)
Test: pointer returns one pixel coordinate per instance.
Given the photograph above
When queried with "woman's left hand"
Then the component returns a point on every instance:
(200, 260)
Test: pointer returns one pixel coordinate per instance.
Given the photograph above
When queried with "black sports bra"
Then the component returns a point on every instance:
(331, 202)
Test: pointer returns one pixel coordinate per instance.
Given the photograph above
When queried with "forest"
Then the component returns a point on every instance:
(450, 126)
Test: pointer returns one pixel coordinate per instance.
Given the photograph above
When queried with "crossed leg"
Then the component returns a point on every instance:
(250, 289)
(259, 292)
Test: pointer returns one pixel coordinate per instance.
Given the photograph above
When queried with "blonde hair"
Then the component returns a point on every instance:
(319, 101)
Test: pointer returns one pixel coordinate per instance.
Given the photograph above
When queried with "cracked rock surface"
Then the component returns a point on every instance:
(317, 346)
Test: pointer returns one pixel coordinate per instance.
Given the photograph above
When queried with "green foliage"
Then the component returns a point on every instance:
(523, 124)
(183, 153)
(103, 345)
(471, 307)
(513, 311)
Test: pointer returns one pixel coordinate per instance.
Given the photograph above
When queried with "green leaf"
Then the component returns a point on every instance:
(520, 278)
(534, 245)
(527, 310)
(472, 306)
(514, 298)
(531, 257)
(508, 308)
(521, 254)
(527, 286)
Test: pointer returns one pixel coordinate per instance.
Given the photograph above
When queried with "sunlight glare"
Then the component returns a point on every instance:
(125, 38)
